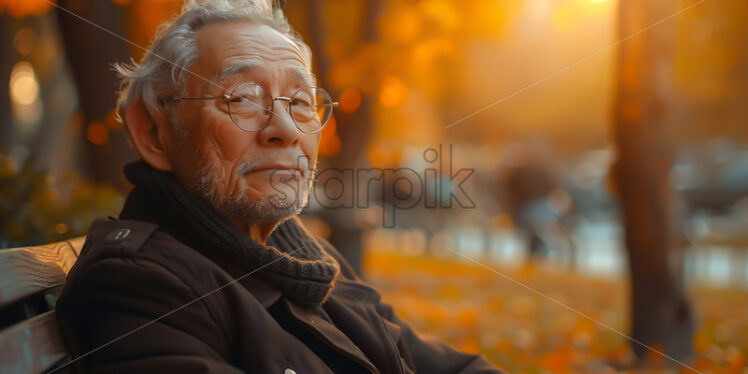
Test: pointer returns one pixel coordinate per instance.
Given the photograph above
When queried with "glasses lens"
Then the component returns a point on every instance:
(311, 108)
(250, 106)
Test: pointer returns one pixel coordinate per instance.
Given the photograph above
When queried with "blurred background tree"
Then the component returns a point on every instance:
(661, 311)
(105, 146)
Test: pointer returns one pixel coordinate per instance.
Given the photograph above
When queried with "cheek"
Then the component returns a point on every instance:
(221, 143)
(230, 145)
(224, 142)
(231, 142)
(310, 145)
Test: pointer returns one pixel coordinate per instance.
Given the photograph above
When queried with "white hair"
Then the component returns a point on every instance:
(164, 68)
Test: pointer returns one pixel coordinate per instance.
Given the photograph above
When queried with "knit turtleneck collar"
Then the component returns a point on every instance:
(293, 261)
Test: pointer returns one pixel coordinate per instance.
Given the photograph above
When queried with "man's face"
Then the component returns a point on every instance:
(246, 175)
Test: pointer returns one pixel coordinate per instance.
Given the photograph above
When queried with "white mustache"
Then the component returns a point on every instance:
(250, 165)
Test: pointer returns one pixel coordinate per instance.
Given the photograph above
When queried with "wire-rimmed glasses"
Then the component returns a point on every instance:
(250, 107)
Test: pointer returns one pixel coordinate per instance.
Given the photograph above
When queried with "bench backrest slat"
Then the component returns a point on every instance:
(29, 270)
(32, 346)
(27, 275)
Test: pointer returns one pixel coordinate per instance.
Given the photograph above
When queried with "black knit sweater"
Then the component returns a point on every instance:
(293, 261)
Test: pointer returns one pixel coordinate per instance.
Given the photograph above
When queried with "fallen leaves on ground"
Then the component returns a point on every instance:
(478, 310)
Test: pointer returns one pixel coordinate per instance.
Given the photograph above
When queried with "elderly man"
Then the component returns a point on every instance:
(207, 268)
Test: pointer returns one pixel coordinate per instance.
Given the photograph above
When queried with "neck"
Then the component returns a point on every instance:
(258, 231)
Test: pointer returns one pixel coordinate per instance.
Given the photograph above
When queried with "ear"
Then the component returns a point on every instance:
(148, 135)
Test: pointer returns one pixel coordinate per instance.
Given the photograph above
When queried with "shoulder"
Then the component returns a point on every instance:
(132, 267)
(131, 249)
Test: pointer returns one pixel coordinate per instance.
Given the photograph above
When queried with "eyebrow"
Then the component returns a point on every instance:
(236, 69)
(232, 70)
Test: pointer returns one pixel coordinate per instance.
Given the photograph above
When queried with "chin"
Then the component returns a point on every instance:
(283, 197)
(270, 209)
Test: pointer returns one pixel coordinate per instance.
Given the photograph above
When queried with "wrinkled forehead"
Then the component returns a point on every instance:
(231, 48)
(298, 75)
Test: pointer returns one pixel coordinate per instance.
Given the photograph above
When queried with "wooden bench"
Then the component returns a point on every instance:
(31, 278)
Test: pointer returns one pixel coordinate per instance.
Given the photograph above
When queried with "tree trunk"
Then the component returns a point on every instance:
(353, 131)
(6, 64)
(91, 52)
(661, 314)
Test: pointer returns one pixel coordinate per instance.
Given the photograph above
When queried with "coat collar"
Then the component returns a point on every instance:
(292, 260)
(139, 206)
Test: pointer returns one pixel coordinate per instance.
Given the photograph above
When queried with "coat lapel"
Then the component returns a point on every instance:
(329, 334)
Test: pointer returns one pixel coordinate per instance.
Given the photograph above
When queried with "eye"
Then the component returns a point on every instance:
(238, 99)
(300, 102)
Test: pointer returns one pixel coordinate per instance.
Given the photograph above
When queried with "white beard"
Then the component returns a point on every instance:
(206, 182)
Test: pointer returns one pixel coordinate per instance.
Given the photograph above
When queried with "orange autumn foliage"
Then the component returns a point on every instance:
(478, 311)
(23, 8)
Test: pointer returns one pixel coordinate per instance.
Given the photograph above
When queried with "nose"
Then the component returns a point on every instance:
(280, 129)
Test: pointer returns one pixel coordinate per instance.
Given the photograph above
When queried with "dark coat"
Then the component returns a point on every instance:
(141, 301)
